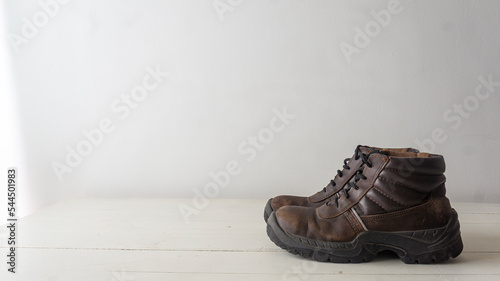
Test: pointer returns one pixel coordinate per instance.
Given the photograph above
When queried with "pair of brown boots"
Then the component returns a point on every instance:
(383, 199)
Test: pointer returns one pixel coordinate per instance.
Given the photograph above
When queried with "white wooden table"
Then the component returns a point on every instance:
(147, 239)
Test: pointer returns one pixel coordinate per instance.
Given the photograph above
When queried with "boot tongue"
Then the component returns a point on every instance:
(365, 149)
(375, 151)
(365, 152)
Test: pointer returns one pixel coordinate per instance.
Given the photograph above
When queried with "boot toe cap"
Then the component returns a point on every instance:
(295, 219)
(287, 200)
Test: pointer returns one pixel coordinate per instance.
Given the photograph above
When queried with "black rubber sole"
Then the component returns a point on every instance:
(268, 209)
(423, 246)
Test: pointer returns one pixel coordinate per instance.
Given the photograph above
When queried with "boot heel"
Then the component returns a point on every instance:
(433, 245)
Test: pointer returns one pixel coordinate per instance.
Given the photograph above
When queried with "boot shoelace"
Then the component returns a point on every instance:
(358, 176)
(357, 153)
(339, 173)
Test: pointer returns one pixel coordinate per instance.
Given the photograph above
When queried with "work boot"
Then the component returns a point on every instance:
(335, 185)
(395, 202)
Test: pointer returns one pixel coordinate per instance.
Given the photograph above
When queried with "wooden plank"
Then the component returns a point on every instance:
(479, 218)
(55, 260)
(115, 225)
(218, 209)
(121, 235)
(153, 209)
(476, 208)
(147, 239)
(123, 275)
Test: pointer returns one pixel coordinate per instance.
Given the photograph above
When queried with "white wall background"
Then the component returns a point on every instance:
(227, 76)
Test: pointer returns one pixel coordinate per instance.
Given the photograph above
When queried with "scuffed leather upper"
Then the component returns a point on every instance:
(398, 187)
(401, 192)
(322, 196)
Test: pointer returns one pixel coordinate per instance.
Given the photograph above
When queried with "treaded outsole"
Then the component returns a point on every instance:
(364, 250)
(316, 255)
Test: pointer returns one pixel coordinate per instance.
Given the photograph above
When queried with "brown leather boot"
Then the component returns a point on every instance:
(395, 201)
(335, 185)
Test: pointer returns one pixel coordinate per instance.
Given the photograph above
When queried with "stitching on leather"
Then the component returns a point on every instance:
(375, 176)
(383, 193)
(401, 184)
(366, 195)
(358, 228)
(379, 170)
(322, 198)
(363, 211)
(356, 220)
(405, 171)
(349, 219)
(401, 213)
(342, 183)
